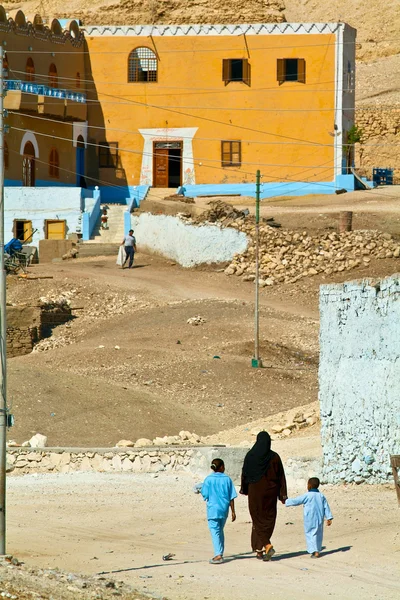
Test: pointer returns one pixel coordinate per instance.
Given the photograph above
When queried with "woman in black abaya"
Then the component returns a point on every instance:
(263, 481)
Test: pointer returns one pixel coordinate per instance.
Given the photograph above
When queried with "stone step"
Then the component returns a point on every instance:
(98, 249)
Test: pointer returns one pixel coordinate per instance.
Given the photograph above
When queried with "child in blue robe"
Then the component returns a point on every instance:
(219, 493)
(316, 508)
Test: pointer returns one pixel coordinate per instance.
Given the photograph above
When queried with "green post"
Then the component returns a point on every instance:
(256, 362)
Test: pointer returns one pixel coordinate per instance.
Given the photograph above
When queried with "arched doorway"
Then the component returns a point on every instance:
(80, 162)
(28, 165)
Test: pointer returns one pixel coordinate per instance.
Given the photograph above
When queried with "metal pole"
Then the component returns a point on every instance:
(256, 361)
(3, 329)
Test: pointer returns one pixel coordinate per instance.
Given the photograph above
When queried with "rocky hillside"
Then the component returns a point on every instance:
(129, 12)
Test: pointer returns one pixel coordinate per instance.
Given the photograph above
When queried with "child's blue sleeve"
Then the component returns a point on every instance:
(205, 489)
(233, 492)
(296, 501)
(327, 510)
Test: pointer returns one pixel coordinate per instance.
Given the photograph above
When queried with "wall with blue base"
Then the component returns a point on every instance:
(38, 204)
(91, 200)
(271, 189)
(124, 194)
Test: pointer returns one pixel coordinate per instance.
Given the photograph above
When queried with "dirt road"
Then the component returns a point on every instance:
(124, 524)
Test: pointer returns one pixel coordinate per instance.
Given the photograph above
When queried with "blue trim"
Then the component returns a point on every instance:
(127, 222)
(90, 218)
(30, 87)
(271, 189)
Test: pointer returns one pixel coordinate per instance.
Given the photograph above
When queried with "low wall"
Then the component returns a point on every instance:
(359, 379)
(186, 244)
(194, 460)
(92, 201)
(26, 325)
(191, 459)
(268, 190)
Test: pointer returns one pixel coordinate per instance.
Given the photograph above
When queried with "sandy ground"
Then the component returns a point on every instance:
(123, 524)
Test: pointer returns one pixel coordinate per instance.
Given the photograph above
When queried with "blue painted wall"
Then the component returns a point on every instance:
(37, 204)
(271, 189)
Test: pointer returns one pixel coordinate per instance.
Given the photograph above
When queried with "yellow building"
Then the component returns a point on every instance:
(44, 70)
(209, 105)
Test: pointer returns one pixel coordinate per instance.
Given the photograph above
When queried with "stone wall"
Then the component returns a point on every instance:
(380, 145)
(26, 325)
(23, 329)
(359, 379)
(196, 460)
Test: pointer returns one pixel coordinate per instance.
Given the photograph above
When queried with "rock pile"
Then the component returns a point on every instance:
(300, 421)
(185, 438)
(197, 320)
(287, 256)
(220, 212)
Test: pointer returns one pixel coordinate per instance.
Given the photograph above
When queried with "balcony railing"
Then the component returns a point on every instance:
(29, 87)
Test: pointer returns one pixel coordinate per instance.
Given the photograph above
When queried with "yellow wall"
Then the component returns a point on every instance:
(47, 118)
(190, 85)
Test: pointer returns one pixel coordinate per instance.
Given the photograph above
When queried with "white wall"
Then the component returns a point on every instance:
(359, 377)
(186, 244)
(38, 204)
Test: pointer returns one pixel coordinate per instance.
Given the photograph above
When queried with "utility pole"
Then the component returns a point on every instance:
(3, 328)
(256, 362)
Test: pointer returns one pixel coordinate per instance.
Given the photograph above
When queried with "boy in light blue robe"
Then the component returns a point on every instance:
(316, 508)
(219, 492)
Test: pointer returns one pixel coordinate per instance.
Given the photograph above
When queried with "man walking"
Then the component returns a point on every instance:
(129, 242)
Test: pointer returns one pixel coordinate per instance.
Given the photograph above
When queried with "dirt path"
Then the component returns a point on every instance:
(123, 524)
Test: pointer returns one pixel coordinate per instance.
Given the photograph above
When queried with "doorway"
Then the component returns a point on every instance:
(167, 167)
(22, 230)
(80, 162)
(28, 166)
(55, 230)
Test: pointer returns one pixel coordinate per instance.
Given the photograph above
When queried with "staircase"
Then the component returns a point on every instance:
(105, 242)
(115, 232)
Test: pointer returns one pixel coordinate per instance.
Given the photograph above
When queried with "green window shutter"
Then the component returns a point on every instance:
(301, 70)
(280, 70)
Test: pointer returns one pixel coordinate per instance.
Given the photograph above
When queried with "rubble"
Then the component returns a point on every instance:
(287, 256)
(197, 320)
(38, 441)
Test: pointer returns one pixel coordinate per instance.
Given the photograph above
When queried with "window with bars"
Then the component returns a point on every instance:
(236, 69)
(54, 164)
(291, 69)
(53, 76)
(30, 70)
(108, 155)
(142, 65)
(231, 153)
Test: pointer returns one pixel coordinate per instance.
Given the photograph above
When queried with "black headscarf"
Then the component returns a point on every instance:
(257, 459)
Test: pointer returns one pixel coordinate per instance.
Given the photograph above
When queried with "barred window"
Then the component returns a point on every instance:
(142, 65)
(108, 155)
(54, 164)
(231, 153)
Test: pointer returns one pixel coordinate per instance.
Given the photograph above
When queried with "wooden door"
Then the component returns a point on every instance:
(55, 230)
(160, 176)
(27, 231)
